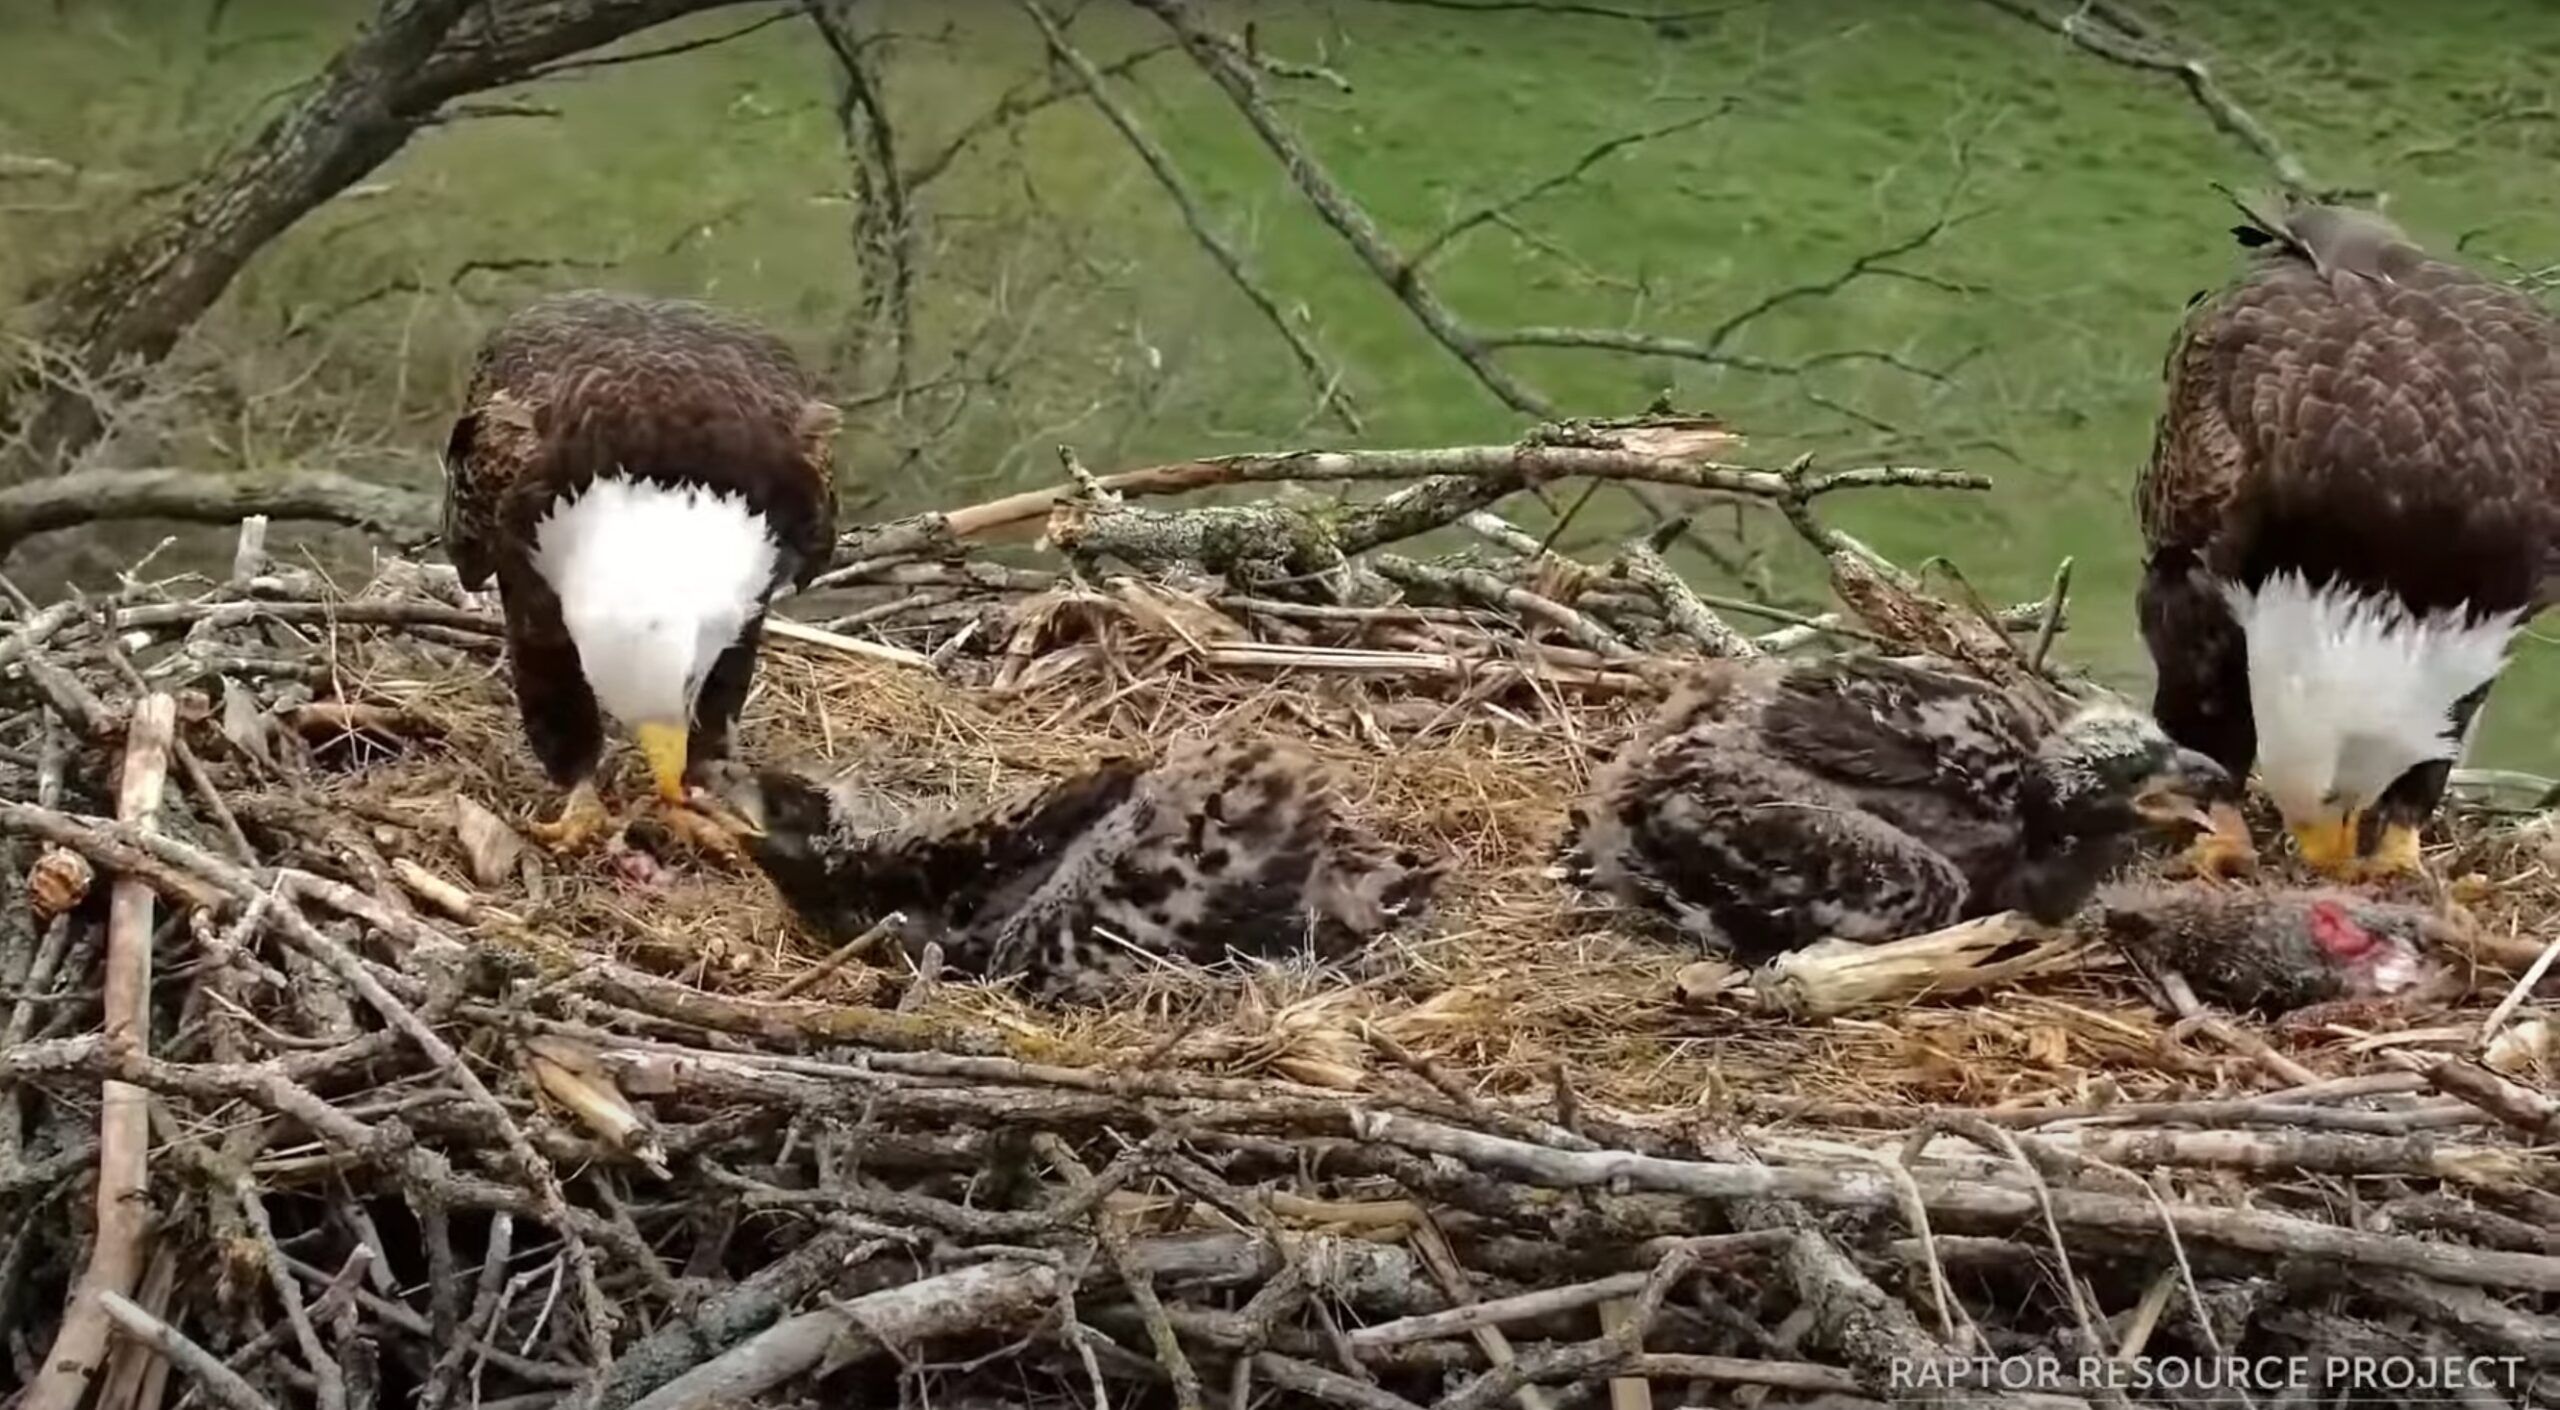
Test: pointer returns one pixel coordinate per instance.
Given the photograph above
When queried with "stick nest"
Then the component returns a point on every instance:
(320, 1086)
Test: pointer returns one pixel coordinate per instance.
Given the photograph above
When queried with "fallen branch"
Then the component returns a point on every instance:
(124, 1122)
(207, 497)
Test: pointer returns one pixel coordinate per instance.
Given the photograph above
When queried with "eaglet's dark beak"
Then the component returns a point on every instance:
(2192, 790)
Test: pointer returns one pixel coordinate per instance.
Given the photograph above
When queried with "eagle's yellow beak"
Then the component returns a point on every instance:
(663, 745)
(2328, 845)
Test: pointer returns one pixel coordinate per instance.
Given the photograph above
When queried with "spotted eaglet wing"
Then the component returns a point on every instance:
(1222, 847)
(1875, 722)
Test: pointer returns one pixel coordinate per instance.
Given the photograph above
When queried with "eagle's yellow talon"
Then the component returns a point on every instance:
(700, 831)
(581, 820)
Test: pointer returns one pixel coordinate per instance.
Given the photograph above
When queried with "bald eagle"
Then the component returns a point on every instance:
(2348, 516)
(1073, 887)
(1771, 804)
(641, 476)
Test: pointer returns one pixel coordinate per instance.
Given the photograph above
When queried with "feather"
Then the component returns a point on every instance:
(654, 583)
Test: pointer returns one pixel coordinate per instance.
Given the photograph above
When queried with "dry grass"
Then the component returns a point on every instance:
(1517, 973)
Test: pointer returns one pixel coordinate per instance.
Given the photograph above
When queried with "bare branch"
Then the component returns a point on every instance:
(1320, 370)
(884, 225)
(2119, 36)
(129, 306)
(662, 51)
(1500, 210)
(1695, 350)
(207, 497)
(1872, 263)
(132, 302)
(1017, 103)
(1227, 65)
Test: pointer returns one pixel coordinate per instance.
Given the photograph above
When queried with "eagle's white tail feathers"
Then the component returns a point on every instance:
(2350, 690)
(654, 583)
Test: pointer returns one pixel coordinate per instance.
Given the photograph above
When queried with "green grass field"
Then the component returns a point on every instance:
(2090, 219)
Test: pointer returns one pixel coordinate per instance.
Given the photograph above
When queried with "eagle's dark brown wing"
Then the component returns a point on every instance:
(2353, 406)
(581, 382)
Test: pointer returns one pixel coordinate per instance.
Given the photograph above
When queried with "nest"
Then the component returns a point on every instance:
(319, 1086)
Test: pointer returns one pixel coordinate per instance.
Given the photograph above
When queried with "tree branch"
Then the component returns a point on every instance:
(1195, 214)
(1567, 7)
(1227, 65)
(1498, 211)
(208, 497)
(129, 305)
(884, 227)
(1235, 72)
(1017, 103)
(662, 51)
(2121, 37)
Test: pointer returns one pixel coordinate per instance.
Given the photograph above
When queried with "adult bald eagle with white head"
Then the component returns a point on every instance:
(641, 476)
(2349, 514)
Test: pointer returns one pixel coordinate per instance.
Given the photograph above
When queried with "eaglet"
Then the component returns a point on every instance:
(1771, 804)
(1223, 848)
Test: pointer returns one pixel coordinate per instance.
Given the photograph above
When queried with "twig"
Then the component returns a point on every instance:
(325, 1372)
(2257, 1231)
(2111, 33)
(1688, 612)
(221, 1384)
(546, 1183)
(885, 233)
(1141, 1287)
(987, 1297)
(124, 1121)
(841, 956)
(1319, 369)
(1591, 157)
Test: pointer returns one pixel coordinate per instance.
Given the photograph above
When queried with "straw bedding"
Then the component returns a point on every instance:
(344, 1054)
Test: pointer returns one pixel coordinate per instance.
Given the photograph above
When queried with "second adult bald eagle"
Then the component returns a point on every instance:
(2349, 514)
(641, 476)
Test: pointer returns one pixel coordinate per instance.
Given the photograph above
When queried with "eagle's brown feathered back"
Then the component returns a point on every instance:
(2354, 408)
(667, 390)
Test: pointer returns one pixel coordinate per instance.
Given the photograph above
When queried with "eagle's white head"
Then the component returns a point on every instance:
(2350, 690)
(655, 582)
